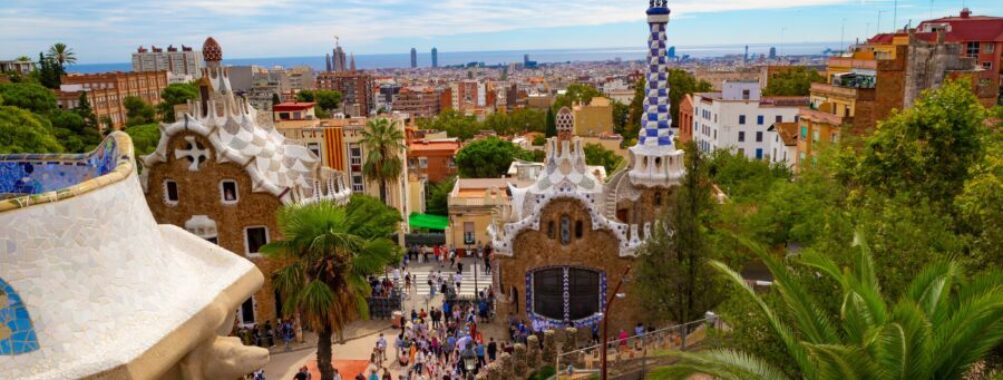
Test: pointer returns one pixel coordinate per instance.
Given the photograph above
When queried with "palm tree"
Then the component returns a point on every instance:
(383, 142)
(940, 326)
(62, 54)
(329, 250)
(23, 58)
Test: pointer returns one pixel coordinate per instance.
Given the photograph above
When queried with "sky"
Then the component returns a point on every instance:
(108, 31)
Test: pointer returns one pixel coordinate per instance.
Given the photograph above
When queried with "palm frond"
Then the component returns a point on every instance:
(721, 364)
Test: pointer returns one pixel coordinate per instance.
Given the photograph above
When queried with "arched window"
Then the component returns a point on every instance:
(565, 294)
(658, 198)
(565, 230)
(578, 229)
(550, 229)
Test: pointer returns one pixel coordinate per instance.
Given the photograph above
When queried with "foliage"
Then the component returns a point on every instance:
(74, 133)
(29, 96)
(326, 99)
(674, 277)
(543, 373)
(979, 209)
(85, 111)
(62, 55)
(516, 122)
(928, 149)
(741, 177)
(175, 94)
(453, 123)
(596, 154)
(438, 196)
(138, 111)
(621, 113)
(551, 130)
(576, 93)
(488, 158)
(682, 83)
(539, 141)
(329, 251)
(794, 82)
(938, 328)
(383, 142)
(635, 112)
(49, 72)
(144, 138)
(24, 132)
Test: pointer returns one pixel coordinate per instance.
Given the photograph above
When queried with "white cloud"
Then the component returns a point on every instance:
(108, 29)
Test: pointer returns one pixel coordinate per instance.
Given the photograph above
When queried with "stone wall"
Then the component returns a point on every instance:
(647, 208)
(596, 249)
(199, 194)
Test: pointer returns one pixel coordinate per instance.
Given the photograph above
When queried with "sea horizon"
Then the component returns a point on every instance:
(496, 57)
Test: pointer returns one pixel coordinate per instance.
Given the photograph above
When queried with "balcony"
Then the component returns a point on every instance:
(853, 63)
(828, 90)
(816, 116)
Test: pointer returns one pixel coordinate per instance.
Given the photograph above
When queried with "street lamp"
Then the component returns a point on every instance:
(605, 319)
(469, 359)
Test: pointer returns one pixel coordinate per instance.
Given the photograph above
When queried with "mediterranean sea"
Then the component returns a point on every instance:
(374, 61)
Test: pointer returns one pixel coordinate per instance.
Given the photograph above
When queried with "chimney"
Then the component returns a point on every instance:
(965, 13)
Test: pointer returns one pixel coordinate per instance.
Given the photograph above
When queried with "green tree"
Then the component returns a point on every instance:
(327, 99)
(682, 83)
(551, 123)
(938, 329)
(488, 158)
(794, 82)
(138, 111)
(24, 132)
(144, 138)
(85, 111)
(929, 149)
(978, 206)
(49, 72)
(62, 55)
(674, 277)
(73, 131)
(596, 154)
(29, 96)
(621, 113)
(175, 94)
(275, 99)
(515, 122)
(453, 123)
(438, 196)
(383, 142)
(634, 114)
(576, 93)
(330, 250)
(742, 177)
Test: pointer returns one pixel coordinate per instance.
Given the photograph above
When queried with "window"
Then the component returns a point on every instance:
(987, 65)
(579, 229)
(759, 136)
(357, 183)
(760, 119)
(315, 148)
(550, 229)
(565, 229)
(814, 136)
(746, 94)
(988, 47)
(566, 294)
(804, 132)
(658, 198)
(972, 49)
(247, 311)
(779, 119)
(254, 239)
(228, 191)
(422, 162)
(171, 192)
(741, 119)
(468, 233)
(741, 136)
(759, 153)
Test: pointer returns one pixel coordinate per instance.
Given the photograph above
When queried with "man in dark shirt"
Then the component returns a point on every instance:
(492, 350)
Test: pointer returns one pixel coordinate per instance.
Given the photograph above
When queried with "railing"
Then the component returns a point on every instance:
(635, 354)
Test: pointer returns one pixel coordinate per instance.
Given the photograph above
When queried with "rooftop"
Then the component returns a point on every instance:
(293, 106)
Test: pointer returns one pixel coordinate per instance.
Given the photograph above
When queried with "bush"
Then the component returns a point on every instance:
(539, 140)
(543, 373)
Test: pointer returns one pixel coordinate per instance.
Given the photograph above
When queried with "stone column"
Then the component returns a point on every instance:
(549, 347)
(532, 351)
(505, 363)
(494, 371)
(519, 360)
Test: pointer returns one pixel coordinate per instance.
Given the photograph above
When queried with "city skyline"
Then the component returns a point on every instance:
(254, 29)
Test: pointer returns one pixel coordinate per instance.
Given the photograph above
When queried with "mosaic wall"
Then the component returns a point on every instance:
(35, 174)
(17, 336)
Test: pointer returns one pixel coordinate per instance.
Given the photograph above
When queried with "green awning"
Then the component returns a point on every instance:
(429, 221)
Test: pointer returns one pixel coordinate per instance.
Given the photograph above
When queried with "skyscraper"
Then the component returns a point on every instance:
(773, 52)
(435, 57)
(672, 52)
(745, 58)
(414, 58)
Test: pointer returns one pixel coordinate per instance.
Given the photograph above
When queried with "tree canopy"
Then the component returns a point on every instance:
(794, 82)
(24, 132)
(438, 196)
(175, 94)
(488, 158)
(576, 93)
(138, 111)
(145, 138)
(29, 96)
(596, 154)
(682, 83)
(453, 123)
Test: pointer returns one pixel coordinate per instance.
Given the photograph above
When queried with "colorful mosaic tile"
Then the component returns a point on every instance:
(17, 336)
(36, 174)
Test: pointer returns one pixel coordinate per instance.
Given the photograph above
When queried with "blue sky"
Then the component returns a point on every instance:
(109, 30)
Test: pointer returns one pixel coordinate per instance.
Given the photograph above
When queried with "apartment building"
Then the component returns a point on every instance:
(738, 118)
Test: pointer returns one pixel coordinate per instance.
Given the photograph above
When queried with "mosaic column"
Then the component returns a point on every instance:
(656, 122)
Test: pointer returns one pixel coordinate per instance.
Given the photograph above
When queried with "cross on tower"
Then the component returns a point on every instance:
(194, 152)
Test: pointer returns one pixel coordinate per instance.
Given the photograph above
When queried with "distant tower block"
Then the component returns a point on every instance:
(655, 161)
(565, 121)
(435, 57)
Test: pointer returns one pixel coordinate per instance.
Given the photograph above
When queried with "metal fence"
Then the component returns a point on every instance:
(634, 355)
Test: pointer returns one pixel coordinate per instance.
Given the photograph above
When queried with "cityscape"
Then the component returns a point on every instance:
(467, 194)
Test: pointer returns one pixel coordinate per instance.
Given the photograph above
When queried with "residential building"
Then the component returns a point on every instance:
(472, 97)
(294, 111)
(737, 118)
(20, 67)
(783, 144)
(594, 119)
(686, 125)
(417, 101)
(472, 205)
(356, 88)
(106, 92)
(186, 61)
(432, 159)
(980, 37)
(223, 177)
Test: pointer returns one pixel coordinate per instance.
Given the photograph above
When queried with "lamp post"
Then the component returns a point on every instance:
(605, 320)
(470, 360)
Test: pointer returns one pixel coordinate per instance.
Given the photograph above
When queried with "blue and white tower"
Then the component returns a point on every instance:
(655, 161)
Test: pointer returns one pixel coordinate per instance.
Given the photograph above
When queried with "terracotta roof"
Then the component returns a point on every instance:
(788, 132)
(970, 28)
(423, 145)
